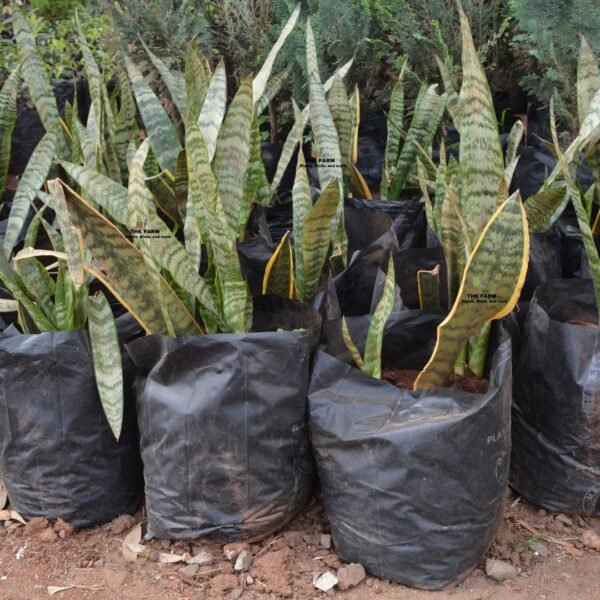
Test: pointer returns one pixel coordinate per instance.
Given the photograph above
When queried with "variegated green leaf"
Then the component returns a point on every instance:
(452, 101)
(213, 110)
(256, 185)
(588, 79)
(429, 109)
(429, 288)
(35, 279)
(294, 135)
(490, 288)
(514, 139)
(279, 272)
(454, 240)
(123, 269)
(316, 238)
(203, 186)
(173, 80)
(197, 79)
(274, 85)
(72, 240)
(354, 352)
(165, 142)
(325, 135)
(107, 361)
(64, 299)
(260, 82)
(301, 207)
(372, 360)
(395, 120)
(7, 306)
(342, 119)
(32, 180)
(125, 123)
(8, 117)
(167, 250)
(232, 156)
(544, 208)
(33, 71)
(481, 160)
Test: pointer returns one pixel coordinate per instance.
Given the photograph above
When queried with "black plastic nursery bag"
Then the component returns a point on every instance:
(413, 483)
(556, 412)
(223, 426)
(58, 455)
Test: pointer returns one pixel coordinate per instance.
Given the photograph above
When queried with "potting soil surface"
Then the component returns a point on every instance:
(543, 557)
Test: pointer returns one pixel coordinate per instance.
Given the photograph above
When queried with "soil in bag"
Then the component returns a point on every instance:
(413, 483)
(556, 411)
(223, 425)
(58, 455)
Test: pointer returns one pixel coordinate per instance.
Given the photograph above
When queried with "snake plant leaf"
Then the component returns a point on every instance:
(490, 288)
(395, 120)
(274, 85)
(260, 82)
(256, 185)
(64, 300)
(481, 160)
(106, 355)
(33, 71)
(294, 136)
(35, 313)
(86, 144)
(8, 117)
(452, 100)
(325, 134)
(372, 358)
(279, 272)
(32, 180)
(106, 193)
(173, 80)
(181, 185)
(454, 239)
(354, 352)
(301, 206)
(514, 139)
(118, 264)
(72, 239)
(355, 118)
(203, 186)
(428, 205)
(429, 109)
(316, 238)
(165, 143)
(35, 279)
(357, 186)
(162, 187)
(588, 79)
(544, 208)
(339, 106)
(197, 79)
(165, 250)
(7, 306)
(213, 111)
(125, 123)
(232, 156)
(429, 288)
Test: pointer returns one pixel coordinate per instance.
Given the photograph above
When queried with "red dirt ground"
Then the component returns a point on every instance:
(90, 563)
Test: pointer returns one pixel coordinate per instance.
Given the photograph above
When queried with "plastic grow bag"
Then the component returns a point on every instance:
(556, 412)
(58, 456)
(413, 483)
(223, 426)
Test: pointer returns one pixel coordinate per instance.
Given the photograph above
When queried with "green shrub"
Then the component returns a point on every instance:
(548, 40)
(56, 9)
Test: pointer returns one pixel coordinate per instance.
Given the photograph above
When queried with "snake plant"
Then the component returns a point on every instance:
(50, 292)
(371, 362)
(483, 231)
(585, 145)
